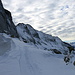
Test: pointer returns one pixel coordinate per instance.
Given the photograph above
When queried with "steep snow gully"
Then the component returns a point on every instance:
(24, 59)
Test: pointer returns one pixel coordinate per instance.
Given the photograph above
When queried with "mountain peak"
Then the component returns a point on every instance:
(40, 39)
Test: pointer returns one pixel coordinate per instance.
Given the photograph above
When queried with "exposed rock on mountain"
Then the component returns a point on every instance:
(70, 47)
(6, 24)
(73, 44)
(42, 40)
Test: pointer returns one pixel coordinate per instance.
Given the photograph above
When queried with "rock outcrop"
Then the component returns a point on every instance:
(6, 24)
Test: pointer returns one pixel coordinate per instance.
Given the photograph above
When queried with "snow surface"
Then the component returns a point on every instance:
(24, 59)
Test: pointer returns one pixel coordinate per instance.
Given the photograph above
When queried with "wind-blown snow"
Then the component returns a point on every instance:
(23, 59)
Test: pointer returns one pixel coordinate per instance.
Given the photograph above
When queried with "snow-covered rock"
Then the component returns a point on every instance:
(40, 39)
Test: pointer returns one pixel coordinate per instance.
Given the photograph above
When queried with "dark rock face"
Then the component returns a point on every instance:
(6, 24)
(70, 47)
(56, 51)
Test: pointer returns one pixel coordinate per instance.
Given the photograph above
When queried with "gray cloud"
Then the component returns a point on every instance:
(54, 17)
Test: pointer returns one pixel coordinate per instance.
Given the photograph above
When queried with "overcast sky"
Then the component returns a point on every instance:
(56, 17)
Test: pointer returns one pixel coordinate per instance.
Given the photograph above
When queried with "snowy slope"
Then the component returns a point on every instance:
(24, 59)
(40, 39)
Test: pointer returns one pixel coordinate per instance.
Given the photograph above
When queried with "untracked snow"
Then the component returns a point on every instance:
(23, 59)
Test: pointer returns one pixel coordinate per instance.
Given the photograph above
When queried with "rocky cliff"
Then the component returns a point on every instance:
(6, 24)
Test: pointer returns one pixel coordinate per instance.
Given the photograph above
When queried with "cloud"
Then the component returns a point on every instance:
(54, 17)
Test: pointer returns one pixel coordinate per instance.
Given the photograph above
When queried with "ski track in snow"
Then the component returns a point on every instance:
(26, 60)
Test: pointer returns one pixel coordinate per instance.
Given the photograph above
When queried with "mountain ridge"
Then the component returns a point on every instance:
(42, 40)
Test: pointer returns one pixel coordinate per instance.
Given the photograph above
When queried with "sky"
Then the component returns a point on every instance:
(55, 17)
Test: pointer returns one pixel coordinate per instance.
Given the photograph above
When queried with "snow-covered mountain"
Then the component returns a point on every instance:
(41, 40)
(26, 51)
